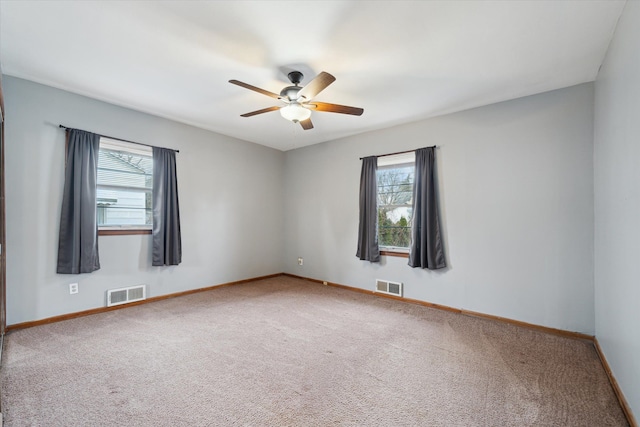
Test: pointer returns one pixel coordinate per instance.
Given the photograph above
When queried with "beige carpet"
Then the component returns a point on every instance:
(287, 352)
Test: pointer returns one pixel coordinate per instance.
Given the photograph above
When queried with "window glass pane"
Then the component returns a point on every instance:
(123, 207)
(395, 200)
(125, 180)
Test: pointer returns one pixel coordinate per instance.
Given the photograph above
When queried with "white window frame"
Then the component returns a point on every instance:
(392, 162)
(136, 149)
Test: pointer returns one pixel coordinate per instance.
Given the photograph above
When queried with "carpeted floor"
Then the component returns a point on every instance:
(287, 352)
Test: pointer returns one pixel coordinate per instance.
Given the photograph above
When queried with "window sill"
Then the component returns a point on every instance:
(398, 254)
(123, 232)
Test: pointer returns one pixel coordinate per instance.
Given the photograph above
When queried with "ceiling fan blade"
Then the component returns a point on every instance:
(316, 85)
(256, 89)
(264, 110)
(306, 124)
(334, 108)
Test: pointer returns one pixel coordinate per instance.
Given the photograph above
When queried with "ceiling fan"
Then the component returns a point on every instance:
(297, 99)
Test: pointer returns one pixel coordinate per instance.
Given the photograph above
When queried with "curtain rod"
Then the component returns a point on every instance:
(120, 139)
(399, 152)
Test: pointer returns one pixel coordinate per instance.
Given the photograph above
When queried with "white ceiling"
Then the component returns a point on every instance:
(401, 61)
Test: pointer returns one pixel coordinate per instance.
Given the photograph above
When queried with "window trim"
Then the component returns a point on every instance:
(114, 231)
(395, 251)
(385, 252)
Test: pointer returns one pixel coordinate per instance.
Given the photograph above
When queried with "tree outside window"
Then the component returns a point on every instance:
(395, 194)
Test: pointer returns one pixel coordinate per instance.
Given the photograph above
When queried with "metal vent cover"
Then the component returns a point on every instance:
(117, 297)
(126, 295)
(389, 287)
(135, 293)
(395, 288)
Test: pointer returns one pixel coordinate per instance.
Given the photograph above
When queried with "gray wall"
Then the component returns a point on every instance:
(516, 189)
(516, 183)
(231, 204)
(617, 205)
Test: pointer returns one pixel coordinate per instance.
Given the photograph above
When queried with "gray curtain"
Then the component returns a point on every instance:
(167, 242)
(78, 239)
(426, 238)
(368, 249)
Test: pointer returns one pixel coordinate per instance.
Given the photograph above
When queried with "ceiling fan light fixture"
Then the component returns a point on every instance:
(295, 112)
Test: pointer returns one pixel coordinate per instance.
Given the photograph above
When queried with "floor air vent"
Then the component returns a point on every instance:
(126, 295)
(387, 287)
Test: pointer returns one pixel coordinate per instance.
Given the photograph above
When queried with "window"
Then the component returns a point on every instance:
(395, 200)
(125, 180)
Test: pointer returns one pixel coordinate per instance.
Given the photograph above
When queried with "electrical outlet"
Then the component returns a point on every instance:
(300, 261)
(73, 288)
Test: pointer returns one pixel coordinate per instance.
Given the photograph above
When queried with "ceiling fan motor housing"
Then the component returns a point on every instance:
(290, 92)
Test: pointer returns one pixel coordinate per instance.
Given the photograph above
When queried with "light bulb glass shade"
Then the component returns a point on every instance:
(295, 112)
